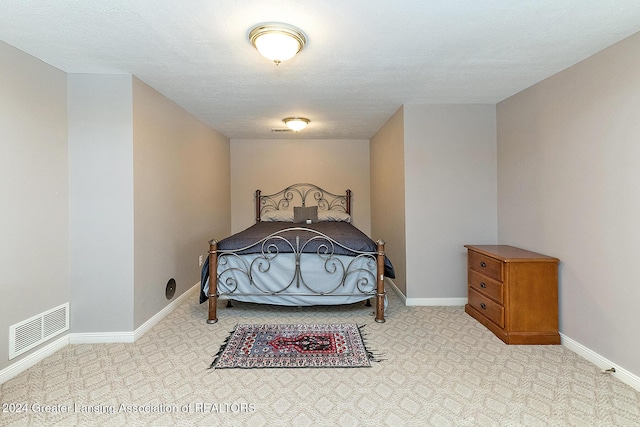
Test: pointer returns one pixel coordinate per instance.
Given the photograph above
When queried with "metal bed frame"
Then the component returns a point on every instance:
(266, 251)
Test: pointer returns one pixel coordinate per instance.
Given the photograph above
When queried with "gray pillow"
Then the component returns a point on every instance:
(302, 214)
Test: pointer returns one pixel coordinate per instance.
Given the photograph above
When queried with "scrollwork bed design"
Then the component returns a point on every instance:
(311, 263)
(287, 197)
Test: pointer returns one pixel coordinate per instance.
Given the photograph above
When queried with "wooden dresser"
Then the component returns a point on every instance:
(514, 293)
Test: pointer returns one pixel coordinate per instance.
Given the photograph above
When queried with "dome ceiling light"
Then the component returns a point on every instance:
(296, 124)
(277, 42)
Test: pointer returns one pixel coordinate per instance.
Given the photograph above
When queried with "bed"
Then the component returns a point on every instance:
(302, 250)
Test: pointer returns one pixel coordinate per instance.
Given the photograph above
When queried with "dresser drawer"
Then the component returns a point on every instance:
(489, 308)
(483, 264)
(486, 286)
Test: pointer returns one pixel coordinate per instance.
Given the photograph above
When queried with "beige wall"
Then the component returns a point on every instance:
(388, 193)
(181, 173)
(568, 180)
(451, 186)
(271, 165)
(34, 213)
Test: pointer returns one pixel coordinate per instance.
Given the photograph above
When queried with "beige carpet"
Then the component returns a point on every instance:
(441, 368)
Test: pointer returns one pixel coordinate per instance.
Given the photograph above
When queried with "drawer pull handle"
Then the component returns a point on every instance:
(483, 285)
(483, 306)
(483, 264)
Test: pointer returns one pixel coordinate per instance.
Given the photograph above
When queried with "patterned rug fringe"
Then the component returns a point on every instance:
(222, 348)
(373, 357)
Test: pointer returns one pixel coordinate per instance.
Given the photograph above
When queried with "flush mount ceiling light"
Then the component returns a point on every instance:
(296, 124)
(277, 42)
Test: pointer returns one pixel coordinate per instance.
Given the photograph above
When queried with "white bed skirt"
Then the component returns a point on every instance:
(319, 281)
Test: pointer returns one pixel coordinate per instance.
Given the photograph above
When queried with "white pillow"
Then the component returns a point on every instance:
(283, 215)
(333, 215)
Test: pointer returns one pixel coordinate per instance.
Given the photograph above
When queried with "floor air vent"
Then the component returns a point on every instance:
(29, 333)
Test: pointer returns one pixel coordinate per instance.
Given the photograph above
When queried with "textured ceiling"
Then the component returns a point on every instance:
(363, 60)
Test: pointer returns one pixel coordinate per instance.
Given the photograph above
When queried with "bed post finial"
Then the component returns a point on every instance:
(348, 201)
(257, 205)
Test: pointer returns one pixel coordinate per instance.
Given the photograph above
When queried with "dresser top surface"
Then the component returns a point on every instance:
(510, 253)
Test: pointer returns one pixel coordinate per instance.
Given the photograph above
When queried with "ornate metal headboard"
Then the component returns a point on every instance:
(302, 195)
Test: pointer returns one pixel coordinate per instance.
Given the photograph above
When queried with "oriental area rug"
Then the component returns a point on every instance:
(294, 346)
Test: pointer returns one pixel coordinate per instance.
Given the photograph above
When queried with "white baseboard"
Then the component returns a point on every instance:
(436, 301)
(601, 362)
(92, 338)
(144, 328)
(101, 337)
(426, 302)
(28, 361)
(133, 336)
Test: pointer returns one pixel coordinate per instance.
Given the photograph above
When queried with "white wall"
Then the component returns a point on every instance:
(451, 195)
(34, 213)
(569, 186)
(271, 165)
(101, 202)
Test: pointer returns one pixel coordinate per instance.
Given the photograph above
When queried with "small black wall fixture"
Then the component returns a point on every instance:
(170, 290)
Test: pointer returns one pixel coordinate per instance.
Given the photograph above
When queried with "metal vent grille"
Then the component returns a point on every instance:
(29, 333)
(54, 322)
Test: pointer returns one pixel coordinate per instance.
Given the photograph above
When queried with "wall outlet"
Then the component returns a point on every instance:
(200, 260)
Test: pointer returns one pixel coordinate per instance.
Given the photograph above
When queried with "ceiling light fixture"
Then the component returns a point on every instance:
(296, 124)
(277, 42)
